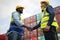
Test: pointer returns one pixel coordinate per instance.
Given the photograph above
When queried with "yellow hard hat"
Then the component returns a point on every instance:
(19, 7)
(47, 2)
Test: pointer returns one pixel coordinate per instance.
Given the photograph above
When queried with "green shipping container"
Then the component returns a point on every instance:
(42, 37)
(39, 16)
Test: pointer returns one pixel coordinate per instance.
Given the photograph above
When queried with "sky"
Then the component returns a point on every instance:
(32, 7)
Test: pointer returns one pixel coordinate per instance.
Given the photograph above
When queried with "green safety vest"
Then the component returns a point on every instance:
(12, 20)
(45, 18)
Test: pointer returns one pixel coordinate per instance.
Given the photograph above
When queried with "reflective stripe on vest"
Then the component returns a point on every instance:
(45, 18)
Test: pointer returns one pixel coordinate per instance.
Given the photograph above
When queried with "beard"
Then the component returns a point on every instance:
(20, 12)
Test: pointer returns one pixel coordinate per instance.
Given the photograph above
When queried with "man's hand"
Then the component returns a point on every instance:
(29, 28)
(47, 28)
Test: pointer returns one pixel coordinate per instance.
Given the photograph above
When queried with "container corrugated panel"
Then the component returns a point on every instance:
(30, 21)
(39, 16)
(3, 37)
(40, 32)
(32, 24)
(57, 9)
(58, 20)
(33, 18)
(41, 38)
(33, 38)
(27, 20)
(34, 32)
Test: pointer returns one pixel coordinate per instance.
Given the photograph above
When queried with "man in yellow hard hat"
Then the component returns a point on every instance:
(48, 22)
(16, 30)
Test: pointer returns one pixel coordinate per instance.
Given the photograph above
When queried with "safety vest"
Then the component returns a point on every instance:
(12, 19)
(45, 18)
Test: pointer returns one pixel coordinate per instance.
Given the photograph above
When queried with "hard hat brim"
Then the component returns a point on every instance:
(19, 7)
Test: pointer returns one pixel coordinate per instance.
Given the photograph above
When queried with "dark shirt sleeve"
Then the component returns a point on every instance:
(51, 15)
(36, 26)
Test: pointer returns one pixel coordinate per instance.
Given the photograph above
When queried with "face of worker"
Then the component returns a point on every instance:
(43, 5)
(20, 10)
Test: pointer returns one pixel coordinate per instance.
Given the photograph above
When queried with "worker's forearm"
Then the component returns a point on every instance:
(37, 26)
(18, 23)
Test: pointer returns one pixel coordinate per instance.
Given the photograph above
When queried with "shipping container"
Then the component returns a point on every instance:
(32, 21)
(57, 14)
(3, 37)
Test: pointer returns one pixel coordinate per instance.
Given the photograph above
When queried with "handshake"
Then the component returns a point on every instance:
(29, 29)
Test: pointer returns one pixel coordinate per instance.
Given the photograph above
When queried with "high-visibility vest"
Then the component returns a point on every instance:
(45, 18)
(12, 19)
